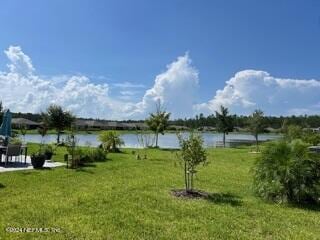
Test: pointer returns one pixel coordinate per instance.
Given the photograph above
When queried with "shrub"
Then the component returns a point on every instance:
(293, 132)
(15, 141)
(287, 172)
(93, 155)
(111, 141)
(98, 155)
(311, 137)
(83, 155)
(48, 151)
(38, 158)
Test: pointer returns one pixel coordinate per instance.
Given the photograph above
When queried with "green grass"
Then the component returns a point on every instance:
(124, 198)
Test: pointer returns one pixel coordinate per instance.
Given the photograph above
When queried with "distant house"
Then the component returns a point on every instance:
(272, 130)
(206, 128)
(238, 129)
(23, 122)
(315, 130)
(113, 126)
(104, 125)
(89, 124)
(178, 128)
(141, 126)
(127, 126)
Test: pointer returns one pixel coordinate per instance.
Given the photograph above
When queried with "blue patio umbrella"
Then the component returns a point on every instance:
(5, 129)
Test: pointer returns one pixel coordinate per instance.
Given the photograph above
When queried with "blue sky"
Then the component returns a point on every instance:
(131, 42)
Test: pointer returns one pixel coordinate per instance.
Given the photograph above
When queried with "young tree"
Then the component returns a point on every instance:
(284, 126)
(111, 141)
(23, 131)
(224, 122)
(55, 117)
(256, 125)
(158, 121)
(43, 132)
(192, 154)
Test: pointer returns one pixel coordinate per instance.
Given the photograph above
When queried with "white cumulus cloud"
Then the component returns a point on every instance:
(20, 63)
(23, 90)
(176, 88)
(251, 89)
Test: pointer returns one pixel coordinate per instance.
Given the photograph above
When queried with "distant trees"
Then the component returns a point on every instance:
(158, 121)
(256, 125)
(224, 122)
(192, 154)
(55, 117)
(241, 121)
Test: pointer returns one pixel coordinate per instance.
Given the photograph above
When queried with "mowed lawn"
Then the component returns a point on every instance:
(125, 198)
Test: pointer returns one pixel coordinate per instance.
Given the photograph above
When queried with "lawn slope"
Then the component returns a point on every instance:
(124, 198)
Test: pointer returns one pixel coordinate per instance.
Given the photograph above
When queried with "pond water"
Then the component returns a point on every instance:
(168, 140)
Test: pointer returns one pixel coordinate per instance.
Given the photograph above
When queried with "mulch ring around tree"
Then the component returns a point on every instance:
(218, 198)
(194, 194)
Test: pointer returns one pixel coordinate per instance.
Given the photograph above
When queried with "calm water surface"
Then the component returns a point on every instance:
(169, 140)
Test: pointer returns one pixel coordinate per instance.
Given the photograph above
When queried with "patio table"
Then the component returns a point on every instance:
(24, 149)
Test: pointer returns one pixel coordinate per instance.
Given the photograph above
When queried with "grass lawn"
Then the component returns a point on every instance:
(124, 198)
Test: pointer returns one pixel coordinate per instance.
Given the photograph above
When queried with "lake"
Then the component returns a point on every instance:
(168, 140)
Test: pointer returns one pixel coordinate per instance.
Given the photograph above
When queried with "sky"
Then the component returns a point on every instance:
(115, 59)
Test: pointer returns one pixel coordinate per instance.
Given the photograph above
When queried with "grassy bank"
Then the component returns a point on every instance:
(124, 198)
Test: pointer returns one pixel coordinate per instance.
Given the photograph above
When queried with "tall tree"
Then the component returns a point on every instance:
(55, 117)
(158, 121)
(256, 125)
(224, 122)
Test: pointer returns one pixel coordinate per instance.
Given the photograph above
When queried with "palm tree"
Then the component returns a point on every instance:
(158, 121)
(224, 122)
(111, 141)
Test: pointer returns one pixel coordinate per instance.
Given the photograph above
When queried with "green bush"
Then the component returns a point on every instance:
(93, 155)
(15, 141)
(287, 172)
(311, 137)
(48, 151)
(293, 132)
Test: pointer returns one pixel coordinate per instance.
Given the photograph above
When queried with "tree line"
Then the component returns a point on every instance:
(200, 120)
